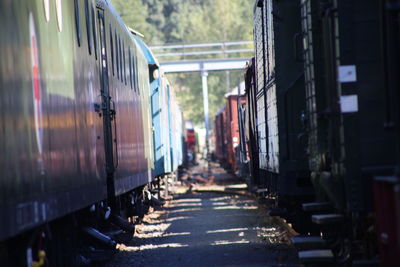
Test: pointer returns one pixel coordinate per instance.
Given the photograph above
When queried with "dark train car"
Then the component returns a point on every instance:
(219, 132)
(386, 187)
(251, 123)
(277, 92)
(350, 114)
(242, 154)
(338, 117)
(346, 85)
(330, 118)
(75, 131)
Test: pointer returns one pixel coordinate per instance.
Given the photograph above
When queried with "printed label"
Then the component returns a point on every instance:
(347, 74)
(348, 103)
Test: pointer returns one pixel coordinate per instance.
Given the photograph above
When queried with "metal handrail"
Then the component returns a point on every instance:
(208, 52)
(198, 45)
(184, 50)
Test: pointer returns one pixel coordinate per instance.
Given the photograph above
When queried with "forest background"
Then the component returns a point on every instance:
(193, 21)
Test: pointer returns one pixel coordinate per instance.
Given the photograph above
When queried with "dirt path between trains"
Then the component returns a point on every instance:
(209, 225)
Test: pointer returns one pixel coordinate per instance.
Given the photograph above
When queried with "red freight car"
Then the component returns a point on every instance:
(190, 142)
(226, 131)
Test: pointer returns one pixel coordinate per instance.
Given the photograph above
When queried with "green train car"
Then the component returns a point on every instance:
(75, 132)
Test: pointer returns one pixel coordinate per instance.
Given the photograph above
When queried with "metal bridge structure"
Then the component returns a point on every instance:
(203, 58)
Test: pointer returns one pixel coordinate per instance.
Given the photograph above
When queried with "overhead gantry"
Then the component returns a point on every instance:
(203, 65)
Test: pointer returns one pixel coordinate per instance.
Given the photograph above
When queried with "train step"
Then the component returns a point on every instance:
(366, 263)
(324, 219)
(316, 206)
(308, 242)
(316, 256)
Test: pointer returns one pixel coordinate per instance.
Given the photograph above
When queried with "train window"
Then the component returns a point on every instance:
(59, 14)
(123, 53)
(137, 75)
(46, 5)
(112, 50)
(94, 33)
(120, 58)
(89, 36)
(77, 22)
(116, 53)
(134, 71)
(130, 67)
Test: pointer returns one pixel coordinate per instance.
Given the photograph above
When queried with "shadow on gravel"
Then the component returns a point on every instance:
(208, 224)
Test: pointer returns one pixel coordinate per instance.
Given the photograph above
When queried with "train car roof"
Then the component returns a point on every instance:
(146, 51)
(107, 4)
(189, 125)
(234, 91)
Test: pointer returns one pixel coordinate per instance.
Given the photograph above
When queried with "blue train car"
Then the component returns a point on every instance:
(166, 118)
(175, 125)
(176, 130)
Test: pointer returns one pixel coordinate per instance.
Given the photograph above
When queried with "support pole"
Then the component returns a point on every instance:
(204, 75)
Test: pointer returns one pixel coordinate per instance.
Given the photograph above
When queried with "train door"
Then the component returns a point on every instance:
(108, 110)
(170, 133)
(156, 110)
(251, 89)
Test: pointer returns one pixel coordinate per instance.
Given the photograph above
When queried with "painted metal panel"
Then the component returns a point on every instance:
(280, 99)
(52, 156)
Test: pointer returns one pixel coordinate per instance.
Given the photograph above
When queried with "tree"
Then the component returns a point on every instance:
(187, 21)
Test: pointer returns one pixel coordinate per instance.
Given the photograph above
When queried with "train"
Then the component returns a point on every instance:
(226, 130)
(190, 157)
(320, 131)
(90, 126)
